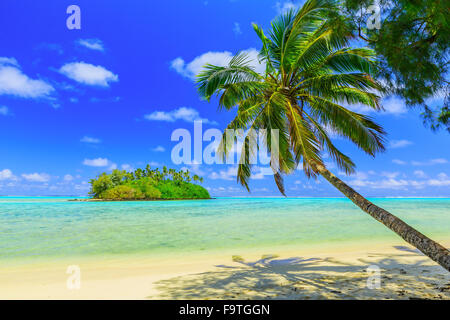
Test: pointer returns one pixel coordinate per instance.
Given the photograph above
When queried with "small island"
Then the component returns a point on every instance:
(147, 184)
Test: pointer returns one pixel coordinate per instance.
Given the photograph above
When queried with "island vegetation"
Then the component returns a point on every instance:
(148, 184)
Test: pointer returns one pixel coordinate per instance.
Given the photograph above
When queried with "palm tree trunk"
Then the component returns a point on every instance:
(432, 249)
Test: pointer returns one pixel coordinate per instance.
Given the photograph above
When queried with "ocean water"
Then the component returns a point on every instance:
(48, 228)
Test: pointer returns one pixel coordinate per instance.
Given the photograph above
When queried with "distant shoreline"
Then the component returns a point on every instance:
(134, 200)
(224, 197)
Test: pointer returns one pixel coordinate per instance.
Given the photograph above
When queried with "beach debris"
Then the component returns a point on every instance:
(269, 256)
(237, 259)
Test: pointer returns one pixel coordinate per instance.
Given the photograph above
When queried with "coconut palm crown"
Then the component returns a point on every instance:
(311, 75)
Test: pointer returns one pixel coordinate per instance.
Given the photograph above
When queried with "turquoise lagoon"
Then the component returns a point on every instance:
(53, 227)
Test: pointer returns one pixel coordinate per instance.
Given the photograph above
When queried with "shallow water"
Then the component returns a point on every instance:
(56, 228)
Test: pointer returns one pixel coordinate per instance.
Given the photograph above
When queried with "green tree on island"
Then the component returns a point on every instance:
(147, 184)
(311, 74)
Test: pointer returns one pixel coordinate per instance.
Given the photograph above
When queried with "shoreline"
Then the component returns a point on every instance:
(317, 273)
(136, 200)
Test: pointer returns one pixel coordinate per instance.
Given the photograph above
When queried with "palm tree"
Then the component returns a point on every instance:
(311, 73)
(148, 170)
(165, 172)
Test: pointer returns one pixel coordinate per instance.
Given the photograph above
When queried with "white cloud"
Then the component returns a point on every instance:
(88, 74)
(68, 177)
(8, 61)
(400, 162)
(394, 105)
(439, 183)
(420, 174)
(283, 7)
(403, 184)
(258, 173)
(14, 82)
(391, 105)
(127, 167)
(159, 149)
(4, 111)
(36, 177)
(93, 44)
(229, 174)
(194, 168)
(98, 162)
(87, 139)
(237, 29)
(359, 175)
(390, 175)
(7, 174)
(394, 144)
(183, 113)
(442, 176)
(429, 162)
(192, 69)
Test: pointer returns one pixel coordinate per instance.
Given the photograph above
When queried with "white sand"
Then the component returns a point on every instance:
(319, 273)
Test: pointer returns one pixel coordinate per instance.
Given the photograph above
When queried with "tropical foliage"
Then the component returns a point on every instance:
(311, 75)
(412, 43)
(147, 184)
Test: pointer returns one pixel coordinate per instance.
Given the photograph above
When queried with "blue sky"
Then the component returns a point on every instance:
(74, 103)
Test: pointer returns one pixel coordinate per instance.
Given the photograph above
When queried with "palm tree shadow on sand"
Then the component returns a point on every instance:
(313, 278)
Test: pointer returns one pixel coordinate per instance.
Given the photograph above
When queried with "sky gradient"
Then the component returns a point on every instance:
(74, 103)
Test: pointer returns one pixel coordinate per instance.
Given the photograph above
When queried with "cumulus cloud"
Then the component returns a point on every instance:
(183, 113)
(258, 173)
(392, 182)
(394, 144)
(159, 149)
(394, 105)
(229, 174)
(68, 178)
(283, 7)
(88, 74)
(98, 162)
(7, 174)
(192, 69)
(14, 82)
(87, 139)
(36, 177)
(429, 162)
(420, 174)
(93, 44)
(391, 105)
(400, 162)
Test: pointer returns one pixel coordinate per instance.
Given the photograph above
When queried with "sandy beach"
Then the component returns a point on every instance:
(339, 273)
